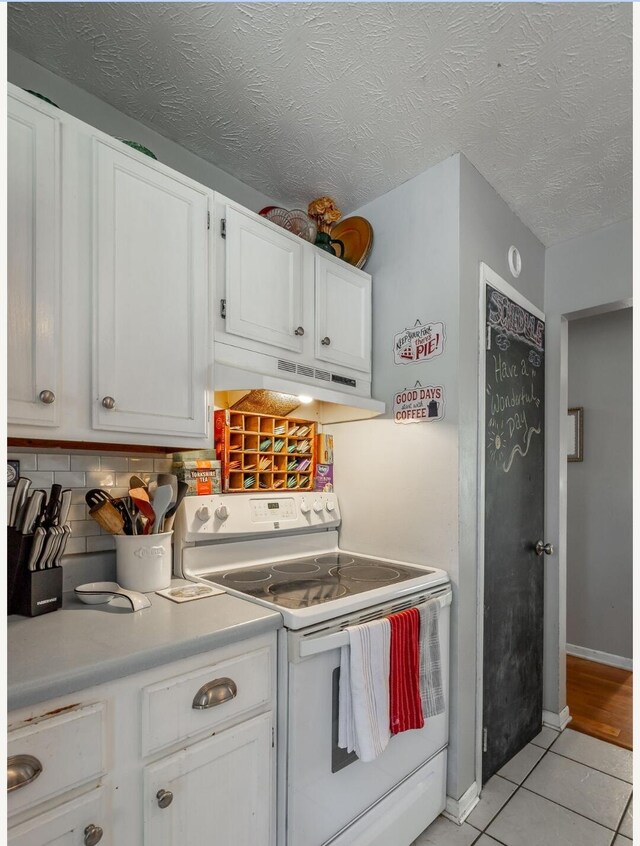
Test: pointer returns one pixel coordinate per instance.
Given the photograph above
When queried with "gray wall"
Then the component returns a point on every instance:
(72, 99)
(583, 276)
(488, 228)
(410, 491)
(599, 491)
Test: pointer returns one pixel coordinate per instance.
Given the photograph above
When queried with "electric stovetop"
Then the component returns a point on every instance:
(304, 582)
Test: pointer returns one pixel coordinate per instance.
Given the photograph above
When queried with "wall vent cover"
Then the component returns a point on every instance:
(324, 375)
(305, 371)
(289, 366)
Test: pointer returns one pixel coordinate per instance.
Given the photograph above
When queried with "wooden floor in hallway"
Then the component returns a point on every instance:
(600, 699)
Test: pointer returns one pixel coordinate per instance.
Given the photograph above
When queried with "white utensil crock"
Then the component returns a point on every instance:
(144, 562)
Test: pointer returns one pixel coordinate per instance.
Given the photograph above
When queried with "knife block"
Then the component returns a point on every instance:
(29, 593)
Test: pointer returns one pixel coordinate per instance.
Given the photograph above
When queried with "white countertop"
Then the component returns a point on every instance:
(83, 645)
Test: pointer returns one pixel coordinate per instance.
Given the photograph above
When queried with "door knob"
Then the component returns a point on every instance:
(108, 402)
(47, 397)
(299, 331)
(544, 548)
(92, 835)
(164, 797)
(325, 341)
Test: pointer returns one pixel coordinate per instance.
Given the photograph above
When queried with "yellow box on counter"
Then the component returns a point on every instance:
(324, 449)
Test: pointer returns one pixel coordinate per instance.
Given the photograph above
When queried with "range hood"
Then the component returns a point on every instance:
(329, 405)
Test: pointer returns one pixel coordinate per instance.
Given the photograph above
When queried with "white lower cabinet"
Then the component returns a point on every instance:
(76, 823)
(182, 755)
(213, 791)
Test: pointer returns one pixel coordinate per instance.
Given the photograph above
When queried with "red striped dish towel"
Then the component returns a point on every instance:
(405, 704)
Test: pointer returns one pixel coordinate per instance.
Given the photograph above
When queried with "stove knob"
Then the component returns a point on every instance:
(222, 512)
(330, 505)
(317, 506)
(203, 513)
(305, 507)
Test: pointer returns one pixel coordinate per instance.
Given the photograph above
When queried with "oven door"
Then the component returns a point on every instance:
(327, 788)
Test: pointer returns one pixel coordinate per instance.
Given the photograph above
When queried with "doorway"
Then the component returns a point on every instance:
(511, 546)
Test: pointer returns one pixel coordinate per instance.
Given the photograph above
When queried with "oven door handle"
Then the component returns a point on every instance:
(314, 645)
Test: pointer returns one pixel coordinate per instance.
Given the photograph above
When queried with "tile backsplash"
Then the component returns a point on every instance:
(81, 472)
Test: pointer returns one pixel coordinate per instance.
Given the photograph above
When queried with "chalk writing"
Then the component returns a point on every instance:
(513, 319)
(515, 383)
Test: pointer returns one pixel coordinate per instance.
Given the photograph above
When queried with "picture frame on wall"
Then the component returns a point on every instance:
(574, 434)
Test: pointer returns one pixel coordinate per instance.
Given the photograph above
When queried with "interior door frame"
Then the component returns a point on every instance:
(487, 277)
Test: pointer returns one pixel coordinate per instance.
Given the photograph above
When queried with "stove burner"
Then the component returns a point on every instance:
(334, 558)
(247, 576)
(369, 573)
(296, 567)
(302, 594)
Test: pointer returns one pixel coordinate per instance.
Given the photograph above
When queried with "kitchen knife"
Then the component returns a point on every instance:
(65, 505)
(36, 548)
(19, 497)
(50, 546)
(66, 533)
(31, 512)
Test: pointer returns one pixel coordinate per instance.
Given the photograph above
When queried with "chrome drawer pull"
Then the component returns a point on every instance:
(47, 397)
(325, 341)
(165, 798)
(22, 770)
(215, 693)
(92, 835)
(108, 403)
(299, 331)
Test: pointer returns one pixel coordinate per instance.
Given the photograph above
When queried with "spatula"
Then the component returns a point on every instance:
(170, 516)
(161, 502)
(141, 501)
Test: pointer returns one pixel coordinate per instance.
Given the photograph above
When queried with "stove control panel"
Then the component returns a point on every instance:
(267, 510)
(202, 518)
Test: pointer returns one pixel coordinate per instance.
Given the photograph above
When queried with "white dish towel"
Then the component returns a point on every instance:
(363, 712)
(431, 692)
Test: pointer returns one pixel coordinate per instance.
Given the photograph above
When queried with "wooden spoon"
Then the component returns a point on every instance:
(108, 517)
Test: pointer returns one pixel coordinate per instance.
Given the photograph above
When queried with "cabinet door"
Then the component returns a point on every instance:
(263, 282)
(150, 297)
(33, 265)
(65, 825)
(222, 791)
(343, 315)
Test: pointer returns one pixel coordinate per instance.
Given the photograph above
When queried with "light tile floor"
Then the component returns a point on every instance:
(563, 789)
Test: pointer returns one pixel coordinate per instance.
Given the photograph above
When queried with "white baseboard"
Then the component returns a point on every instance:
(600, 657)
(457, 810)
(557, 721)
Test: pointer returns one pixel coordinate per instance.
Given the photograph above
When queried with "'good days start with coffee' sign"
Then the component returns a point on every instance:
(418, 404)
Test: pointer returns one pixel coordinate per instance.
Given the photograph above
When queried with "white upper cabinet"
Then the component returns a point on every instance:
(263, 282)
(150, 260)
(343, 315)
(33, 266)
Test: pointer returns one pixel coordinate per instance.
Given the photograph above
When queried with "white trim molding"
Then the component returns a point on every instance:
(600, 657)
(457, 810)
(557, 721)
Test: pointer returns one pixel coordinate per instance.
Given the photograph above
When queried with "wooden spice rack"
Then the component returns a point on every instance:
(260, 452)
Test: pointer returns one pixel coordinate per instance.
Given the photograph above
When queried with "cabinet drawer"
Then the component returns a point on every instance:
(69, 748)
(237, 686)
(65, 825)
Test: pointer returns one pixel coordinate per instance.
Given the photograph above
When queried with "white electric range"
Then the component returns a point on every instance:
(281, 550)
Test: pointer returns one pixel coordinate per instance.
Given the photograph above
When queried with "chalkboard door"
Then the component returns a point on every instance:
(514, 522)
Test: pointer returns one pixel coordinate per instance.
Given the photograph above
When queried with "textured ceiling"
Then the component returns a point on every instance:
(298, 99)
